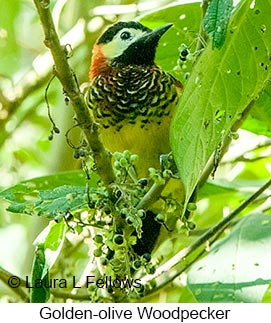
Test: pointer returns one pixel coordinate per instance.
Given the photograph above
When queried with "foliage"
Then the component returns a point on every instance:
(216, 20)
(243, 278)
(89, 230)
(218, 106)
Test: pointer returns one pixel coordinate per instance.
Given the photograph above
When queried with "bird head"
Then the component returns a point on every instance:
(125, 43)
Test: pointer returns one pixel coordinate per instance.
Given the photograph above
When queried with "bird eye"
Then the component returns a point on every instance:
(125, 35)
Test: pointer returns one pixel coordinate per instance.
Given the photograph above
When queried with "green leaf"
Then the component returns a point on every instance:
(60, 200)
(51, 240)
(216, 20)
(31, 187)
(213, 189)
(220, 85)
(259, 120)
(49, 195)
(237, 268)
(48, 244)
(39, 292)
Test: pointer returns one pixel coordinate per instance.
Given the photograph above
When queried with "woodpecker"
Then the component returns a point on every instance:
(132, 98)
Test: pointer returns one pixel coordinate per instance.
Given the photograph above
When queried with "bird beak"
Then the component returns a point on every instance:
(161, 30)
(156, 34)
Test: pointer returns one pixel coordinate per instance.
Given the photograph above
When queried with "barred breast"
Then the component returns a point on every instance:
(134, 106)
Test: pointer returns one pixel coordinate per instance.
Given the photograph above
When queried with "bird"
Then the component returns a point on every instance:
(133, 100)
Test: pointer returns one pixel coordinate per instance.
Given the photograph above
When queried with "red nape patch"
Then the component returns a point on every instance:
(178, 84)
(99, 64)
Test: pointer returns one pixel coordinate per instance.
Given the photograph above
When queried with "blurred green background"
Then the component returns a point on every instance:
(26, 152)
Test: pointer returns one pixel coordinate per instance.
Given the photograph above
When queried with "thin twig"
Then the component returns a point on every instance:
(169, 269)
(5, 276)
(151, 196)
(67, 78)
(19, 290)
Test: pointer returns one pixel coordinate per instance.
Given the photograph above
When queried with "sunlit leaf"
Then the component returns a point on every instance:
(221, 85)
(51, 241)
(237, 268)
(49, 195)
(216, 20)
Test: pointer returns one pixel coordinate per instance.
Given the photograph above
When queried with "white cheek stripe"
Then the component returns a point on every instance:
(117, 46)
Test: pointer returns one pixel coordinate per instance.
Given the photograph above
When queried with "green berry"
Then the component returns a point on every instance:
(118, 239)
(143, 182)
(104, 261)
(160, 218)
(134, 158)
(123, 162)
(98, 238)
(191, 225)
(234, 135)
(117, 155)
(151, 270)
(147, 257)
(117, 165)
(127, 154)
(123, 213)
(137, 264)
(97, 253)
(191, 207)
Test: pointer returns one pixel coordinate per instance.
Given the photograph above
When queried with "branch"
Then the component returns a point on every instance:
(5, 276)
(68, 80)
(169, 269)
(152, 195)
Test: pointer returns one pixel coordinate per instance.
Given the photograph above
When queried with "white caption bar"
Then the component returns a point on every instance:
(88, 312)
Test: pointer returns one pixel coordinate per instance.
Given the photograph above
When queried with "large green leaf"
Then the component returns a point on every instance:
(237, 268)
(31, 187)
(222, 84)
(49, 195)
